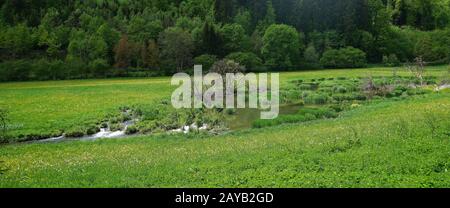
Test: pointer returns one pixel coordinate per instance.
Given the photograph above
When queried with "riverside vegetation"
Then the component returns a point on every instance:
(351, 130)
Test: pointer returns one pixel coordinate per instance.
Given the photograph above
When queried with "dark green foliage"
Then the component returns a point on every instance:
(344, 58)
(142, 38)
(131, 130)
(391, 60)
(205, 60)
(250, 60)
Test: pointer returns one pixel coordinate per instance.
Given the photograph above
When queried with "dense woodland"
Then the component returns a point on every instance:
(66, 39)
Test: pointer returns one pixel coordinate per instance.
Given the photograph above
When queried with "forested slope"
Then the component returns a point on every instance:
(55, 39)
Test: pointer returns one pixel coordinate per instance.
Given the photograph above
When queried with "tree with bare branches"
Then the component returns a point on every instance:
(417, 69)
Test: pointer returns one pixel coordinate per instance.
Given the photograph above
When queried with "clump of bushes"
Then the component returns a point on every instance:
(75, 132)
(317, 98)
(131, 130)
(206, 60)
(247, 59)
(344, 58)
(391, 60)
(92, 130)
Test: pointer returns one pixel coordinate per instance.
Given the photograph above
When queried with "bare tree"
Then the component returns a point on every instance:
(369, 87)
(225, 66)
(417, 69)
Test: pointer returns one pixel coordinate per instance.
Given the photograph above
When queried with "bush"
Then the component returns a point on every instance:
(99, 67)
(339, 89)
(344, 58)
(15, 70)
(205, 60)
(317, 98)
(75, 132)
(291, 96)
(131, 130)
(227, 66)
(250, 60)
(311, 55)
(92, 130)
(281, 44)
(391, 60)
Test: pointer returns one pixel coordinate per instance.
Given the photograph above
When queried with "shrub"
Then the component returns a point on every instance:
(339, 89)
(344, 58)
(75, 132)
(311, 55)
(205, 60)
(281, 44)
(358, 96)
(227, 66)
(250, 60)
(115, 127)
(92, 130)
(147, 126)
(15, 70)
(131, 130)
(99, 67)
(291, 96)
(317, 98)
(305, 87)
(391, 60)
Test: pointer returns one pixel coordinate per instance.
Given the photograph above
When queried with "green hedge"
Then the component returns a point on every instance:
(344, 58)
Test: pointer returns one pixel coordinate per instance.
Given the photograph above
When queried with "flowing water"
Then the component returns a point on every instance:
(104, 133)
(242, 119)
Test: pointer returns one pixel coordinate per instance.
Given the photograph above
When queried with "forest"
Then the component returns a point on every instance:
(55, 39)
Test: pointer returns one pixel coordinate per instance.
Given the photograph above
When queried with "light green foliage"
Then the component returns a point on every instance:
(86, 48)
(281, 45)
(140, 29)
(235, 38)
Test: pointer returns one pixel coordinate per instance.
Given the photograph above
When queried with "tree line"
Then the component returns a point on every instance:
(56, 39)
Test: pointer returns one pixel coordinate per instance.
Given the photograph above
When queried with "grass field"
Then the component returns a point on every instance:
(48, 108)
(401, 143)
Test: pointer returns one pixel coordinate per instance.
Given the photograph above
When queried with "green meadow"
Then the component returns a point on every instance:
(400, 142)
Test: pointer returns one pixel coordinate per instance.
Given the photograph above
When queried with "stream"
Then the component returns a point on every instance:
(242, 119)
(104, 133)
